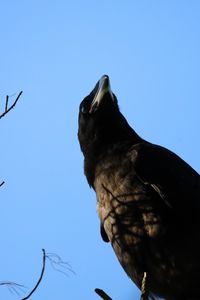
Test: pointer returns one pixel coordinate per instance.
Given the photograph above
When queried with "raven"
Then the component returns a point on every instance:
(148, 199)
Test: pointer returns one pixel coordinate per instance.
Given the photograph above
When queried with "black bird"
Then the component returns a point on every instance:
(148, 199)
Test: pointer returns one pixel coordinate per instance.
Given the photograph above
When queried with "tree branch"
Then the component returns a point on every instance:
(6, 106)
(2, 183)
(7, 109)
(40, 278)
(13, 287)
(58, 264)
(102, 294)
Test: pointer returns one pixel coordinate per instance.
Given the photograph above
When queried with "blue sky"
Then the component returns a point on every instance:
(55, 51)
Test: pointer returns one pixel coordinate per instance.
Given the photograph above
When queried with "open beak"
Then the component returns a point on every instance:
(102, 87)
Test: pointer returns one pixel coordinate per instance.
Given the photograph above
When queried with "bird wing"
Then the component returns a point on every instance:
(168, 175)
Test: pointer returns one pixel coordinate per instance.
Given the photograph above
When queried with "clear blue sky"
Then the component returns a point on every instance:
(55, 51)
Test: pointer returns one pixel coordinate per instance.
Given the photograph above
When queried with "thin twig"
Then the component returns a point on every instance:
(13, 287)
(58, 264)
(11, 107)
(41, 276)
(102, 294)
(6, 106)
(2, 183)
(144, 289)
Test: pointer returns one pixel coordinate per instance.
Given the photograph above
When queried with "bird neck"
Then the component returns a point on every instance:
(96, 153)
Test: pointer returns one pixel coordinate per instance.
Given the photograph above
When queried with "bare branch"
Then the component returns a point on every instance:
(13, 287)
(144, 290)
(58, 264)
(2, 183)
(6, 106)
(40, 278)
(102, 294)
(7, 109)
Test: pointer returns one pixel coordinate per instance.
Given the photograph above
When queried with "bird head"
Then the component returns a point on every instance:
(101, 124)
(101, 96)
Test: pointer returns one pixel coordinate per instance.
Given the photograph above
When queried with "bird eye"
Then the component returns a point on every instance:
(83, 110)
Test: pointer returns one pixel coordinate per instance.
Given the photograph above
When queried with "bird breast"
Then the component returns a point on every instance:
(126, 212)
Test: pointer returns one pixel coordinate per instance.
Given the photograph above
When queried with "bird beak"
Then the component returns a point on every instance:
(102, 87)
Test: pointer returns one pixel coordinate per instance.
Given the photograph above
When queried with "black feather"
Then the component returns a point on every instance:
(103, 234)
